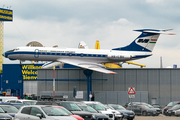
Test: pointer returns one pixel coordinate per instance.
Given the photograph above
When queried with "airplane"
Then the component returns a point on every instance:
(91, 59)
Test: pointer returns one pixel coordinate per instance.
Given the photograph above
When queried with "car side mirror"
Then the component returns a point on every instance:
(39, 115)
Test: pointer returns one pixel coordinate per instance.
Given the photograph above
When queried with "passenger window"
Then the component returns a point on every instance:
(26, 110)
(35, 111)
(18, 102)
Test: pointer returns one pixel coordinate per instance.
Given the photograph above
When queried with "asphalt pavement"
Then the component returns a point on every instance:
(160, 117)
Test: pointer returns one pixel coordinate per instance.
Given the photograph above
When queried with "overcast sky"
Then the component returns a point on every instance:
(67, 22)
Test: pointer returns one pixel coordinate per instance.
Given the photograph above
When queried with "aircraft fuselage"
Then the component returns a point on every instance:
(90, 55)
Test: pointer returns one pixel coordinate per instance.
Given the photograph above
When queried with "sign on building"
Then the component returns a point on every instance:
(6, 15)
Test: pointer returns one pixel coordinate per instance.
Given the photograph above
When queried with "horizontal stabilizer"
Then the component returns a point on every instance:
(164, 31)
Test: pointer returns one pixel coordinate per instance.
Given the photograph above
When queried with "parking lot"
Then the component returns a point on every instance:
(160, 117)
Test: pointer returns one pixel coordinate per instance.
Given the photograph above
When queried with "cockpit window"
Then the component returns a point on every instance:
(16, 49)
(10, 51)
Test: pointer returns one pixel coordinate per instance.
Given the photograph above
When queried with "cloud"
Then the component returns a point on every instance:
(66, 23)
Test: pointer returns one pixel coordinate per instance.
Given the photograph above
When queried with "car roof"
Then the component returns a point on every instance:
(25, 100)
(39, 106)
(12, 104)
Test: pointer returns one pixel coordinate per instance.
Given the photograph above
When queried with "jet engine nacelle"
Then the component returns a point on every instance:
(115, 56)
(53, 64)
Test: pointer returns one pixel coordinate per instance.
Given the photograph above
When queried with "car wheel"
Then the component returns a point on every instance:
(144, 113)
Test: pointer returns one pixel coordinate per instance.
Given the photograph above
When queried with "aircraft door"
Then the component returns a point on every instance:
(36, 53)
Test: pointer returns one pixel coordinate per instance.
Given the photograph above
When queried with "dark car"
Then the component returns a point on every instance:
(96, 114)
(5, 116)
(157, 106)
(159, 111)
(11, 110)
(127, 114)
(69, 106)
(169, 106)
(17, 105)
(144, 110)
(173, 109)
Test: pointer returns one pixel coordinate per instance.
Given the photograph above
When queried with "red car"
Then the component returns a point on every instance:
(169, 106)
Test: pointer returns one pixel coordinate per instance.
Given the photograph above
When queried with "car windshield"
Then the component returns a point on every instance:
(88, 109)
(145, 107)
(97, 106)
(70, 106)
(29, 102)
(171, 104)
(117, 107)
(1, 110)
(111, 107)
(65, 110)
(10, 109)
(176, 106)
(150, 106)
(18, 106)
(54, 111)
(156, 106)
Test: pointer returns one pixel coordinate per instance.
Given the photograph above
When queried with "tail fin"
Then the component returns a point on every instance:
(146, 41)
(97, 46)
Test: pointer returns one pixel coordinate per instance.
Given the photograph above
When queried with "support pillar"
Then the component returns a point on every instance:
(88, 74)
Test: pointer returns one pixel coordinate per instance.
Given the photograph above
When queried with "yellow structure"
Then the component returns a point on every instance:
(111, 65)
(1, 44)
(97, 46)
(130, 62)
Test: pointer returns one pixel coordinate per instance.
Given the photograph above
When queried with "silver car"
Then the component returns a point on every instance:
(42, 112)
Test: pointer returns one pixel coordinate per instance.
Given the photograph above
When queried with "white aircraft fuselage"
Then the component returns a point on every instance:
(90, 55)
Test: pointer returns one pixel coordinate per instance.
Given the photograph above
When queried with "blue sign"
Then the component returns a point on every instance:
(6, 15)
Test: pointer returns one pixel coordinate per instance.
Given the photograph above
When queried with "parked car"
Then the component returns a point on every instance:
(4, 98)
(5, 116)
(117, 114)
(69, 105)
(11, 110)
(17, 105)
(127, 114)
(144, 110)
(70, 113)
(35, 112)
(96, 114)
(157, 106)
(24, 101)
(100, 109)
(177, 112)
(159, 111)
(75, 109)
(172, 110)
(169, 106)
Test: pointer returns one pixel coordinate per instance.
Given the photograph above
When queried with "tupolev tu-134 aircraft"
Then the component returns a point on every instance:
(91, 59)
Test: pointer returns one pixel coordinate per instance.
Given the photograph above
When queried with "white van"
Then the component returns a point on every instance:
(4, 98)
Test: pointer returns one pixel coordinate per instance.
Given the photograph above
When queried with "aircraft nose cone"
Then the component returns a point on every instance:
(3, 54)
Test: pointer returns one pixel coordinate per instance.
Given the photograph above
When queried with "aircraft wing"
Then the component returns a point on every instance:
(87, 65)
